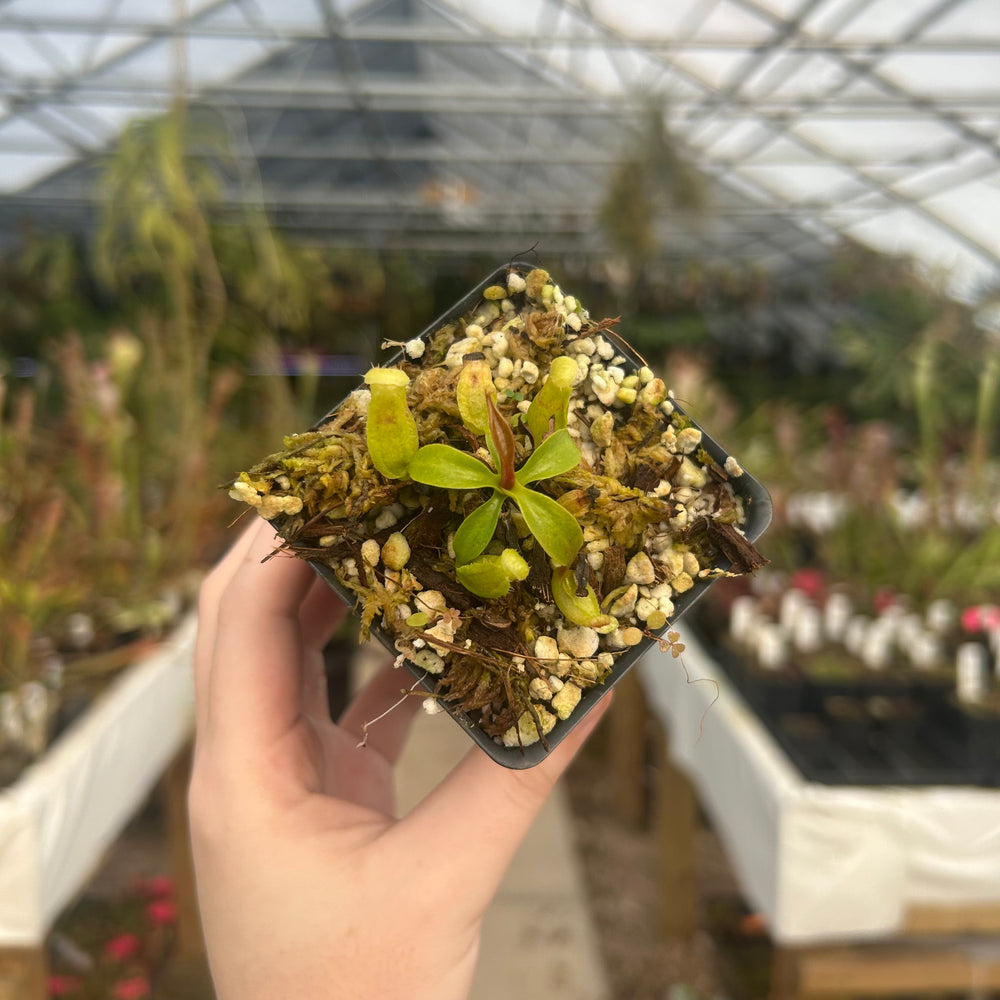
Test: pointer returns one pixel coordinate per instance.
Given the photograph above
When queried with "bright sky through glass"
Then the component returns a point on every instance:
(879, 119)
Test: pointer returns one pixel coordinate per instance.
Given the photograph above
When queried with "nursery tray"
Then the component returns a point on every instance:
(934, 741)
(757, 504)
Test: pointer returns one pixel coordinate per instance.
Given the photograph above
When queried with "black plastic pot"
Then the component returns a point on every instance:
(756, 500)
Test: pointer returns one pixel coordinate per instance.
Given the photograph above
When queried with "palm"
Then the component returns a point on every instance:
(331, 761)
(362, 776)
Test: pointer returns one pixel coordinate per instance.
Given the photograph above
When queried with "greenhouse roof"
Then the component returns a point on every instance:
(465, 125)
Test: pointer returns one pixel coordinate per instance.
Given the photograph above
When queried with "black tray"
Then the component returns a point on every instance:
(757, 503)
(831, 735)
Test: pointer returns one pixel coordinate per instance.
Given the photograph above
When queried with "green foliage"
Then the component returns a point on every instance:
(110, 453)
(871, 544)
(554, 528)
(651, 178)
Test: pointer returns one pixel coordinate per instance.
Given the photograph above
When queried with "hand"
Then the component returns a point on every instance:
(309, 887)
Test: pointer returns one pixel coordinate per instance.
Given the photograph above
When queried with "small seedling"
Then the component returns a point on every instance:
(554, 528)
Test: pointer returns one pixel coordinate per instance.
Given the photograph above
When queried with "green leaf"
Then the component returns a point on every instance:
(475, 532)
(491, 447)
(485, 577)
(554, 527)
(557, 454)
(442, 465)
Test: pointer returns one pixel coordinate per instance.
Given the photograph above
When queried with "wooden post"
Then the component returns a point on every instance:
(175, 784)
(23, 973)
(784, 974)
(675, 812)
(628, 749)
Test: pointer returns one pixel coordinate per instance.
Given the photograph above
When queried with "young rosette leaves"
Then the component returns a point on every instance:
(475, 532)
(447, 467)
(553, 526)
(557, 454)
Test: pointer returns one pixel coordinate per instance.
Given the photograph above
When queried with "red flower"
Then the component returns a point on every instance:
(162, 912)
(136, 988)
(885, 598)
(810, 582)
(157, 887)
(123, 947)
(62, 986)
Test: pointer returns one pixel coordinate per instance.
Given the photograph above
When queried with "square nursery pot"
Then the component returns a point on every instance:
(504, 290)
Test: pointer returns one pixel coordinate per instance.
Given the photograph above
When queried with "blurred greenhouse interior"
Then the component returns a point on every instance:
(214, 213)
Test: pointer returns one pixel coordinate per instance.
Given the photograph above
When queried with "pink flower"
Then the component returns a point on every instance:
(136, 988)
(123, 947)
(162, 912)
(809, 581)
(62, 986)
(981, 618)
(885, 598)
(972, 619)
(157, 887)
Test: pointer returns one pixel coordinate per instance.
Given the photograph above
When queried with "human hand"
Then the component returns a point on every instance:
(308, 885)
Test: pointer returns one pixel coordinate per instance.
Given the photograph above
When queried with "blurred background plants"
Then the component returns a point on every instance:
(135, 372)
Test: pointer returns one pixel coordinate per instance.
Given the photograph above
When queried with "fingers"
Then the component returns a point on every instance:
(209, 597)
(255, 683)
(321, 614)
(480, 813)
(387, 708)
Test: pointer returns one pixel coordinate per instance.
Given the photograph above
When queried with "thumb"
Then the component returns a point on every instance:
(478, 816)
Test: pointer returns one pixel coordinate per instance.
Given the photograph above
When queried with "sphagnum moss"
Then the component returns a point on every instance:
(654, 512)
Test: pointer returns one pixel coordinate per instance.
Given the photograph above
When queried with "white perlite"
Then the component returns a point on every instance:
(578, 643)
(640, 569)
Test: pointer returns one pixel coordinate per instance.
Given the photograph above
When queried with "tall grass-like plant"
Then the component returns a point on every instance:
(155, 240)
(35, 584)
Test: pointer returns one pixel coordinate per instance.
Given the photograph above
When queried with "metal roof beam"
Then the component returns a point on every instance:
(375, 201)
(28, 95)
(751, 110)
(329, 92)
(416, 34)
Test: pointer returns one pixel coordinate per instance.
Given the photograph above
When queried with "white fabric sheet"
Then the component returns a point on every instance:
(63, 813)
(822, 863)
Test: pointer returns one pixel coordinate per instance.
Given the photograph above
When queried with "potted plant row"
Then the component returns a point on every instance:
(866, 691)
(517, 508)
